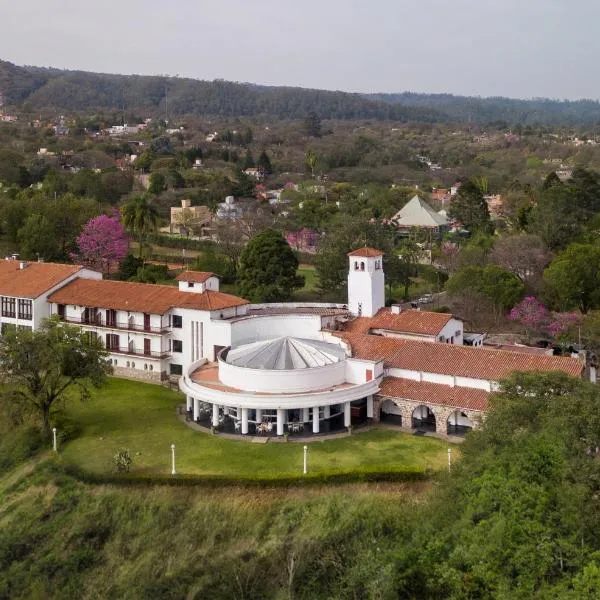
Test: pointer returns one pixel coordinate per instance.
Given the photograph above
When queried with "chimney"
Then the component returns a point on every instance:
(186, 203)
(396, 309)
(22, 265)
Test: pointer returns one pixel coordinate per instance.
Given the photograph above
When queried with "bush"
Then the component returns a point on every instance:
(122, 461)
(19, 445)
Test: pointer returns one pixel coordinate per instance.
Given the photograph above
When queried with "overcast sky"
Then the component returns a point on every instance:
(517, 48)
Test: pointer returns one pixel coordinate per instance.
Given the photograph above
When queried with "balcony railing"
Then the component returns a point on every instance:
(123, 325)
(139, 352)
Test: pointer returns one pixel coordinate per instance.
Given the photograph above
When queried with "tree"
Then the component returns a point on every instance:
(102, 242)
(37, 238)
(248, 160)
(524, 255)
(46, 365)
(573, 277)
(312, 125)
(490, 284)
(264, 163)
(470, 209)
(268, 269)
(140, 218)
(400, 265)
(311, 161)
(158, 183)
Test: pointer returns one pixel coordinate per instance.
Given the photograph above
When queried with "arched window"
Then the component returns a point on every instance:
(362, 266)
(356, 265)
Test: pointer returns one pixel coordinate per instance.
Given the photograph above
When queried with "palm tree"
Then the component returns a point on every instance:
(140, 218)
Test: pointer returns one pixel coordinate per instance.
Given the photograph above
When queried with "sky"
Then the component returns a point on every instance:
(515, 48)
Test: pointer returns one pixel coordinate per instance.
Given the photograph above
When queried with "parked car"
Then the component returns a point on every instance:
(425, 299)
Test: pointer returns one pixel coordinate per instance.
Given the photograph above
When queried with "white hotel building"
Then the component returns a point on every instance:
(278, 368)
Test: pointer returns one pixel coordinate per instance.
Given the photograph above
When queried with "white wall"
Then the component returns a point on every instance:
(282, 381)
(356, 370)
(451, 329)
(252, 329)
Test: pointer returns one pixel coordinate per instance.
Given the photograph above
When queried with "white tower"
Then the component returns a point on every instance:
(366, 283)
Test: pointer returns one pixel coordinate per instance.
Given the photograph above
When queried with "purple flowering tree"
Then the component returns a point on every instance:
(537, 319)
(103, 242)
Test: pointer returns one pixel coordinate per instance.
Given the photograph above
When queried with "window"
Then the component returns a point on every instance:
(112, 341)
(177, 321)
(145, 366)
(128, 364)
(190, 284)
(457, 333)
(176, 369)
(362, 266)
(91, 336)
(151, 368)
(356, 265)
(177, 346)
(8, 307)
(25, 309)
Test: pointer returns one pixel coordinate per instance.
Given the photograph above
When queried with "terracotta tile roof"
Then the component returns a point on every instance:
(32, 281)
(450, 359)
(195, 276)
(409, 321)
(139, 297)
(434, 393)
(366, 252)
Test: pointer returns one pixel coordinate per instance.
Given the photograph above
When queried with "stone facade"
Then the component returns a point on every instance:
(138, 374)
(441, 412)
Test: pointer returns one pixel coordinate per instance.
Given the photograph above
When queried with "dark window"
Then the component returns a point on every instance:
(6, 327)
(112, 341)
(25, 309)
(176, 369)
(177, 346)
(61, 311)
(8, 307)
(177, 321)
(190, 284)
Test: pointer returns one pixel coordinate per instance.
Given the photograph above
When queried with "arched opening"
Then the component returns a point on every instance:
(423, 418)
(362, 266)
(459, 423)
(391, 413)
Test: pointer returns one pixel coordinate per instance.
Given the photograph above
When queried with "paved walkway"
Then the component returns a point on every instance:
(181, 415)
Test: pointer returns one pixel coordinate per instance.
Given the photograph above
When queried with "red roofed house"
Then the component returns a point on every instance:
(300, 368)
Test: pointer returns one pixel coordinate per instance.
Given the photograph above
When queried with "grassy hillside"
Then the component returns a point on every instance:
(60, 538)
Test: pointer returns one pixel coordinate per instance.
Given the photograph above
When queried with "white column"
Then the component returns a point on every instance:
(190, 402)
(369, 407)
(244, 421)
(258, 417)
(347, 414)
(280, 421)
(306, 415)
(315, 419)
(215, 416)
(326, 412)
(196, 408)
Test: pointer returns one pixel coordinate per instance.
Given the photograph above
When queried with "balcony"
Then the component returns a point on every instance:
(139, 352)
(100, 321)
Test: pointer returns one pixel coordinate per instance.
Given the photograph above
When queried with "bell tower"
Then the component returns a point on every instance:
(366, 282)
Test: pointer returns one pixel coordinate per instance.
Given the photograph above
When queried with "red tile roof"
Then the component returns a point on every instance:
(366, 252)
(139, 297)
(450, 359)
(419, 322)
(195, 276)
(434, 393)
(35, 279)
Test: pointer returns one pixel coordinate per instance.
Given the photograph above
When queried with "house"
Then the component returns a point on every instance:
(8, 118)
(441, 195)
(211, 137)
(418, 214)
(303, 240)
(25, 288)
(279, 368)
(186, 217)
(229, 209)
(495, 204)
(254, 173)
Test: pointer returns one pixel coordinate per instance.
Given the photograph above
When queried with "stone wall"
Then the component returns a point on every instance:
(137, 374)
(441, 412)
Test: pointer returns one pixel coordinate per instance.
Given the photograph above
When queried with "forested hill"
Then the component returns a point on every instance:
(538, 111)
(37, 88)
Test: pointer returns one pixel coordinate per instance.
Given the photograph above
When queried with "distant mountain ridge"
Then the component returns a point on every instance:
(37, 88)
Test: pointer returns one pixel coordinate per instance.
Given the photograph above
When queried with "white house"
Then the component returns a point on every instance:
(297, 368)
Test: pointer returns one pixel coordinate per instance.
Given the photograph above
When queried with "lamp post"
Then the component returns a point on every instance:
(449, 459)
(173, 459)
(305, 460)
(54, 446)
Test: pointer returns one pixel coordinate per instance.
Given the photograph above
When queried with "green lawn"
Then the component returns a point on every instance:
(142, 418)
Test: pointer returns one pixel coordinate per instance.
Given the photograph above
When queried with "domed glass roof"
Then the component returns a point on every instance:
(285, 353)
